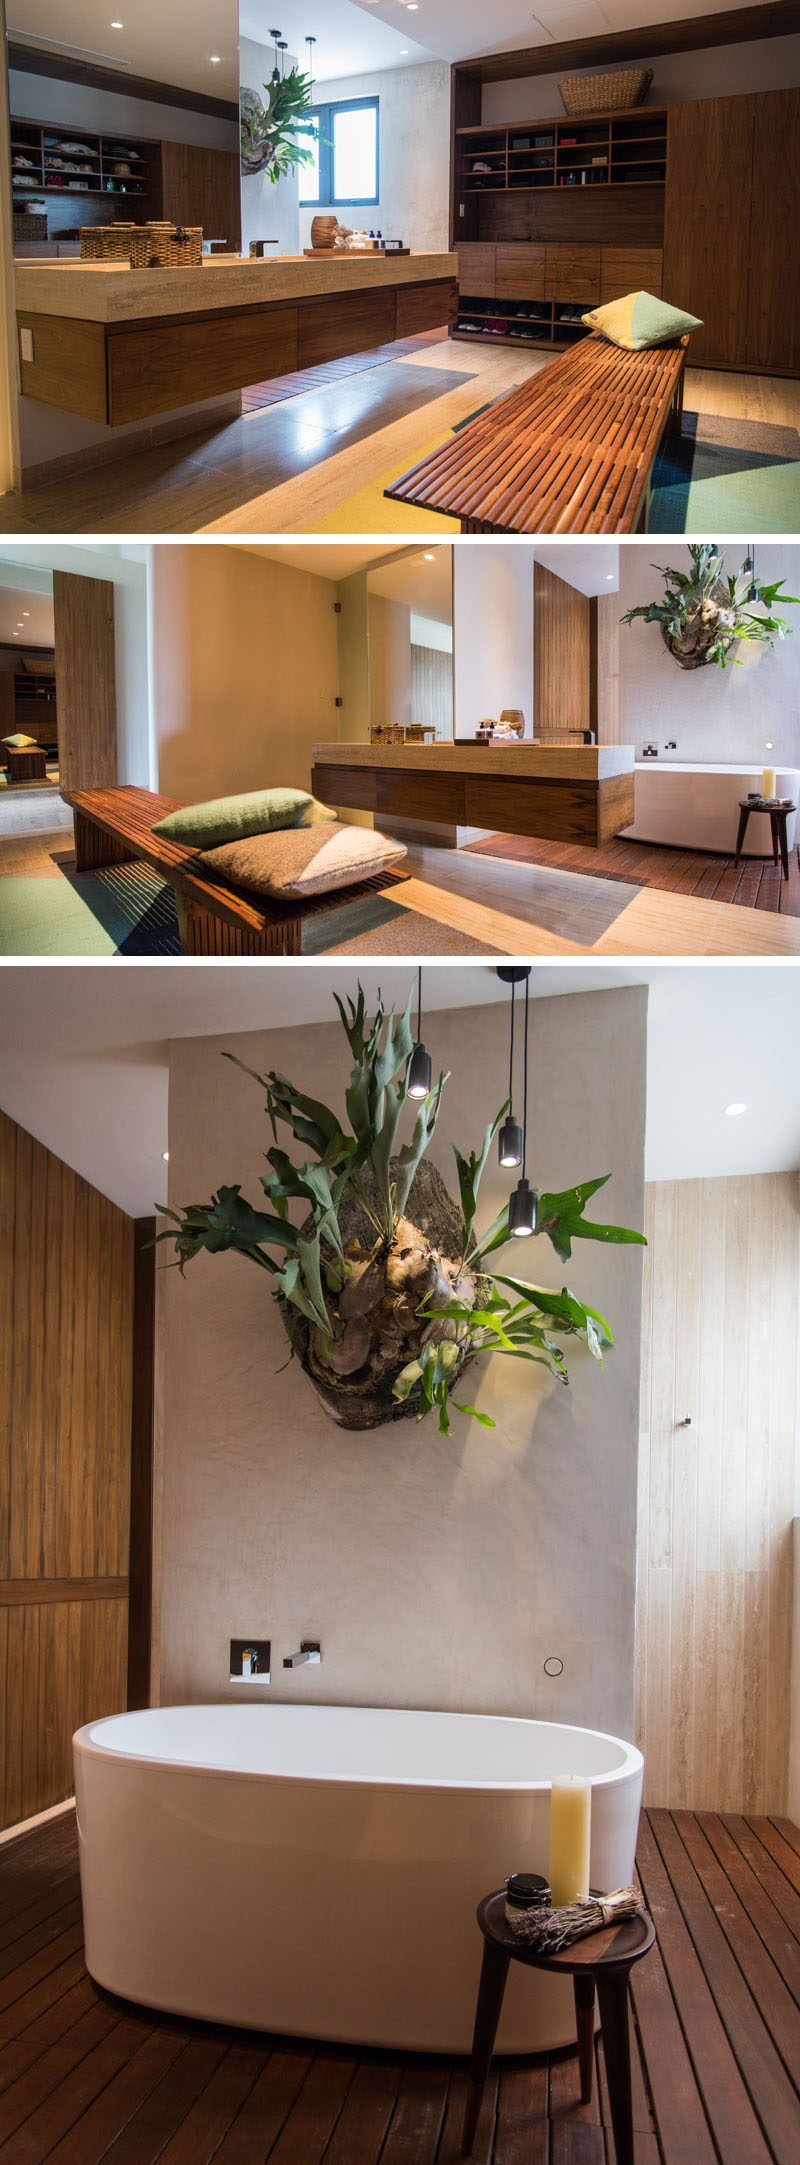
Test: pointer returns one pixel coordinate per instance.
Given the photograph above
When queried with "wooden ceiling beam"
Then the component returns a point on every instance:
(779, 19)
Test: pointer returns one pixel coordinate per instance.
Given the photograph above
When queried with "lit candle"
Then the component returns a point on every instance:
(768, 782)
(570, 1831)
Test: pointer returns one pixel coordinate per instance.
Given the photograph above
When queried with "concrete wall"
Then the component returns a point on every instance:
(414, 181)
(269, 208)
(492, 633)
(245, 670)
(437, 1572)
(713, 714)
(719, 71)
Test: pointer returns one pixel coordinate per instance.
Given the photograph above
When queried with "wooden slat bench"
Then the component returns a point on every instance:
(115, 826)
(571, 451)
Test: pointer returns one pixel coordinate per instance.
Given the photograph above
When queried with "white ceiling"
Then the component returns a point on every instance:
(34, 612)
(591, 566)
(465, 29)
(171, 44)
(84, 1058)
(350, 40)
(325, 559)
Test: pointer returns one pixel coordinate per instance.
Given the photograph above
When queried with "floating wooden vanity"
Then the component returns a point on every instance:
(561, 793)
(117, 345)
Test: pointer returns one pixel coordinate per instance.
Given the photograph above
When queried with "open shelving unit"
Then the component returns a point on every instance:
(624, 150)
(46, 174)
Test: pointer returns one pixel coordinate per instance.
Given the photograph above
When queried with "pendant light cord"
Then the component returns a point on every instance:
(511, 1055)
(525, 1089)
(419, 1006)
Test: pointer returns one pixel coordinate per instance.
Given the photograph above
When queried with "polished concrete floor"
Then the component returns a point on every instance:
(281, 468)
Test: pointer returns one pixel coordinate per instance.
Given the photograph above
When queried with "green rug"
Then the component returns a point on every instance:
(746, 484)
(125, 910)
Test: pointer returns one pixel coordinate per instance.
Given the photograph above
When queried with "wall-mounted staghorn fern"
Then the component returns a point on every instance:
(705, 613)
(269, 127)
(385, 1287)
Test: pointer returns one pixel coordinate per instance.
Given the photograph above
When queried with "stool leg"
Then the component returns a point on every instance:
(494, 1971)
(743, 819)
(584, 2015)
(773, 821)
(612, 1994)
(784, 844)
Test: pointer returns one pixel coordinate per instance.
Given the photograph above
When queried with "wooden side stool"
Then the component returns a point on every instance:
(600, 1963)
(778, 819)
(26, 763)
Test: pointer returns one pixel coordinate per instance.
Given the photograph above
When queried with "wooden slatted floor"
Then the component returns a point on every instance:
(754, 884)
(86, 2078)
(277, 388)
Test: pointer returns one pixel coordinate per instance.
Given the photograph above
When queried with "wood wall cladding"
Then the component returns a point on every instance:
(709, 177)
(716, 1499)
(202, 187)
(86, 691)
(66, 1278)
(632, 217)
(604, 667)
(773, 315)
(432, 688)
(561, 656)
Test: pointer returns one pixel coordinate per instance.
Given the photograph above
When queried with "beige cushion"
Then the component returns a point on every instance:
(20, 743)
(296, 861)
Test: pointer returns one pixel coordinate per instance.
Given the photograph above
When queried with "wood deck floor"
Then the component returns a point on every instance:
(715, 2028)
(755, 883)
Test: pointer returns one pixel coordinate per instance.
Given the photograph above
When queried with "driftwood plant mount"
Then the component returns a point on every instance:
(385, 1288)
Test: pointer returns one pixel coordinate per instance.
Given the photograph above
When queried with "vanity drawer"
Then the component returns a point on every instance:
(520, 271)
(477, 268)
(572, 273)
(420, 796)
(425, 308)
(353, 787)
(629, 270)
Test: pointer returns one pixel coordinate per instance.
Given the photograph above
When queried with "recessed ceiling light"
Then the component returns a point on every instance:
(428, 555)
(733, 1110)
(16, 635)
(769, 746)
(609, 574)
(165, 1156)
(118, 26)
(215, 59)
(26, 612)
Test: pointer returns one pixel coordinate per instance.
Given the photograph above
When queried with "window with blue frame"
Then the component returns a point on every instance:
(346, 168)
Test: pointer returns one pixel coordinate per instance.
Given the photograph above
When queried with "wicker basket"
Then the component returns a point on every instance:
(605, 93)
(107, 244)
(30, 226)
(159, 242)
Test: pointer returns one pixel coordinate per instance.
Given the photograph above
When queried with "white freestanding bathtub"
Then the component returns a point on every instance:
(316, 1869)
(698, 807)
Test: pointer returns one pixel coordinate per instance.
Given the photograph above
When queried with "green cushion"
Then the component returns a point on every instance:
(232, 819)
(21, 744)
(638, 320)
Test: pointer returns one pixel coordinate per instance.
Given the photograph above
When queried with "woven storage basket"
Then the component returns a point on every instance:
(109, 244)
(605, 93)
(171, 247)
(30, 225)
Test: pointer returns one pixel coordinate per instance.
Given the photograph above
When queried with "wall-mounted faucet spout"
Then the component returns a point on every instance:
(310, 1650)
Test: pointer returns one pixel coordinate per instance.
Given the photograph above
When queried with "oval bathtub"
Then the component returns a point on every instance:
(698, 807)
(315, 1870)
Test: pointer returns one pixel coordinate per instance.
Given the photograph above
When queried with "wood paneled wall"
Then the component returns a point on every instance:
(66, 1318)
(716, 1499)
(85, 681)
(561, 656)
(432, 689)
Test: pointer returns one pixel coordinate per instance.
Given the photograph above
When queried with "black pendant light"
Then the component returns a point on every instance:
(311, 42)
(524, 1204)
(276, 74)
(753, 593)
(419, 1066)
(509, 1145)
(713, 551)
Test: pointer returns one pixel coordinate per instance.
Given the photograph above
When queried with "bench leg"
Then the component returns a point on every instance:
(584, 2017)
(494, 1971)
(612, 1994)
(203, 933)
(94, 849)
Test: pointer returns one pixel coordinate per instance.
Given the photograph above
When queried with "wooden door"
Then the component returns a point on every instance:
(202, 188)
(707, 222)
(66, 1362)
(86, 694)
(773, 316)
(561, 656)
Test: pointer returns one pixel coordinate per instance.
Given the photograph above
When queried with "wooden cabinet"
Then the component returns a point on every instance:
(520, 271)
(707, 222)
(476, 269)
(629, 270)
(201, 188)
(572, 273)
(773, 304)
(425, 307)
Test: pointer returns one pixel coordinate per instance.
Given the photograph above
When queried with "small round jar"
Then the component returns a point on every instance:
(524, 1891)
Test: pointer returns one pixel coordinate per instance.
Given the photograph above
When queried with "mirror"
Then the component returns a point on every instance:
(410, 635)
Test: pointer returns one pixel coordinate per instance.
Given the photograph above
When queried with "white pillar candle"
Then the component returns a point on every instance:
(570, 1833)
(768, 782)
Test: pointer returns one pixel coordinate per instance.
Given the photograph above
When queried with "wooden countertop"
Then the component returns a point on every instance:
(562, 762)
(113, 293)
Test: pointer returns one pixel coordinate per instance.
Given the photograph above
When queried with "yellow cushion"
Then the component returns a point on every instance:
(638, 320)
